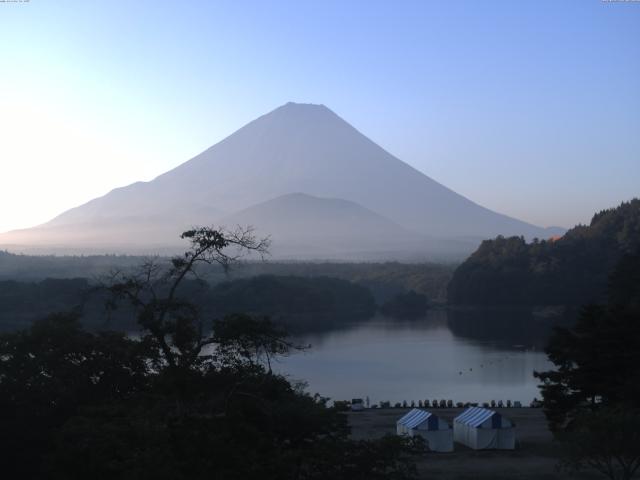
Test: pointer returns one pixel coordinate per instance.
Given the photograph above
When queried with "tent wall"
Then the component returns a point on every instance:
(464, 434)
(507, 438)
(485, 438)
(437, 440)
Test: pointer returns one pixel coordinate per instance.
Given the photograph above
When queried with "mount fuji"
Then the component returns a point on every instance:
(299, 173)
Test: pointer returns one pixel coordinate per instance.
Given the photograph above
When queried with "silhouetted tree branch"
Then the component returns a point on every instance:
(153, 289)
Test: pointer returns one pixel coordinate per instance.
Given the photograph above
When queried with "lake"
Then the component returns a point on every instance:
(469, 356)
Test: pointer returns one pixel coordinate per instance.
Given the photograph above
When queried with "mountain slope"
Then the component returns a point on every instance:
(295, 148)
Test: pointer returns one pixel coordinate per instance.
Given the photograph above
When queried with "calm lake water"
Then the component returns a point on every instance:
(464, 356)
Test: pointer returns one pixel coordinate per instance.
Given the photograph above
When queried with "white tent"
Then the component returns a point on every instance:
(435, 431)
(480, 429)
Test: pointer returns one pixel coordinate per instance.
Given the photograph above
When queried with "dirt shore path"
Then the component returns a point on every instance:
(535, 456)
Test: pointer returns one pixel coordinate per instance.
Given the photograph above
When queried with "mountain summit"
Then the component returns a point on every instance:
(296, 148)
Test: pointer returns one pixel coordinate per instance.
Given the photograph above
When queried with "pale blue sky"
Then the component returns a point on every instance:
(531, 108)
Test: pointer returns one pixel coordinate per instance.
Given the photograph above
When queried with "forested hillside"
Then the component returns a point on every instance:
(571, 270)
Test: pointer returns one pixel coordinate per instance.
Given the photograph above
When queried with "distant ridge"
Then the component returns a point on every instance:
(313, 227)
(301, 148)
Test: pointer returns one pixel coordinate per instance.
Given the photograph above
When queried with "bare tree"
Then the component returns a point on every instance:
(153, 290)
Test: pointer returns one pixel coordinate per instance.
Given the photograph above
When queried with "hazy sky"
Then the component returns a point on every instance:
(531, 108)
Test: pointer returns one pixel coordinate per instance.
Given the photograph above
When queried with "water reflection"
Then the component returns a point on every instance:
(507, 328)
(463, 356)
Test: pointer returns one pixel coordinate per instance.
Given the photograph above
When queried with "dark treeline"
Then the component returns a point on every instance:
(301, 303)
(406, 305)
(40, 267)
(385, 280)
(23, 302)
(289, 296)
(571, 270)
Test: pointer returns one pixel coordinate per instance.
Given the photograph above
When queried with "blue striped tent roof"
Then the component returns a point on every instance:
(416, 417)
(476, 416)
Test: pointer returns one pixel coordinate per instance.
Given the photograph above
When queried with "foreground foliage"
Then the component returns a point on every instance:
(188, 399)
(592, 398)
(605, 440)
